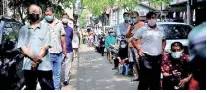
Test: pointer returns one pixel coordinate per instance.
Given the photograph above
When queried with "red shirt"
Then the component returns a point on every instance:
(169, 64)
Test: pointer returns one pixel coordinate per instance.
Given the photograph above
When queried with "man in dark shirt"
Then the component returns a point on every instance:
(68, 58)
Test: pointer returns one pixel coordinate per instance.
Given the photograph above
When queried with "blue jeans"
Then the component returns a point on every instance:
(56, 59)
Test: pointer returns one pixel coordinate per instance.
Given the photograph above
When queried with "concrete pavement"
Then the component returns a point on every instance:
(93, 72)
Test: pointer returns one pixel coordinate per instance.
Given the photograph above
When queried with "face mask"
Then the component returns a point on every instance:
(111, 34)
(134, 20)
(151, 22)
(49, 18)
(123, 46)
(126, 18)
(33, 17)
(65, 21)
(176, 55)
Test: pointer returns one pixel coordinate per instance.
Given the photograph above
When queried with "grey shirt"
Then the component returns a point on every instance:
(121, 29)
(34, 40)
(57, 30)
(151, 39)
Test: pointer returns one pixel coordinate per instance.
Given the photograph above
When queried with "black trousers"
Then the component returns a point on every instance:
(116, 63)
(150, 70)
(102, 50)
(45, 79)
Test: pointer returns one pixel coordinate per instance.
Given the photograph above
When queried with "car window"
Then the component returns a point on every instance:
(176, 31)
(16, 27)
(8, 33)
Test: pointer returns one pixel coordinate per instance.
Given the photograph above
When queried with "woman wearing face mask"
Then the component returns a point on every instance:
(122, 59)
(175, 68)
(135, 25)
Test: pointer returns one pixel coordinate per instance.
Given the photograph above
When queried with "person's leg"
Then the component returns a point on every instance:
(46, 80)
(30, 79)
(102, 50)
(57, 69)
(76, 52)
(116, 63)
(167, 84)
(67, 65)
(156, 71)
(145, 75)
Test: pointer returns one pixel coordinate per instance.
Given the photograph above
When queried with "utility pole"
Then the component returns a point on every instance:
(189, 12)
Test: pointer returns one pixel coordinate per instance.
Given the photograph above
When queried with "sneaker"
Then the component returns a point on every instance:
(65, 83)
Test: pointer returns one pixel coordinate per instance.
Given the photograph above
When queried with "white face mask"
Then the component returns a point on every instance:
(123, 46)
(151, 22)
(176, 54)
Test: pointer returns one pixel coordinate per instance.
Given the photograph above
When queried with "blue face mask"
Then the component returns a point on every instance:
(111, 34)
(49, 18)
(123, 46)
(176, 55)
(65, 21)
(126, 18)
(134, 20)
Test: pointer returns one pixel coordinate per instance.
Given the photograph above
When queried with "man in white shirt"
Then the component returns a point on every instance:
(150, 46)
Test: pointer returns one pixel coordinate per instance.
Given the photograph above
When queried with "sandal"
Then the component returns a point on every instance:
(134, 79)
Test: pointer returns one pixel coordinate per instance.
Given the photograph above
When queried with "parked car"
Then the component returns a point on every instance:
(11, 59)
(176, 32)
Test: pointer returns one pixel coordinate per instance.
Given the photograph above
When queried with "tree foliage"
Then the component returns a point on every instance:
(159, 2)
(24, 4)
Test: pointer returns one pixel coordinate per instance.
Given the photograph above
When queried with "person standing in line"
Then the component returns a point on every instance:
(150, 44)
(75, 41)
(122, 27)
(197, 50)
(34, 41)
(58, 44)
(133, 56)
(102, 46)
(68, 59)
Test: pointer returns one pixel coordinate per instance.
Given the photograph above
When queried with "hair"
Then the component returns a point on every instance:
(65, 14)
(177, 44)
(34, 5)
(134, 13)
(125, 13)
(123, 41)
(150, 14)
(50, 9)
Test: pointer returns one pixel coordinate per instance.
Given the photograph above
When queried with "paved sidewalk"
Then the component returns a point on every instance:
(95, 73)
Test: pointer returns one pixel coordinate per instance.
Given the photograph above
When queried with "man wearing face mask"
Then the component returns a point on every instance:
(135, 25)
(58, 44)
(175, 68)
(122, 27)
(34, 41)
(150, 44)
(68, 59)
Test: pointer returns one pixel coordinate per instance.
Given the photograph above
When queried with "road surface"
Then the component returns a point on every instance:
(93, 72)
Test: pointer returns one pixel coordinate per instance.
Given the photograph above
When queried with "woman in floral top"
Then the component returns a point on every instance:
(175, 68)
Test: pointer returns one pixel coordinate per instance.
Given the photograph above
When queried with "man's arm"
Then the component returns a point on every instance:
(129, 31)
(47, 44)
(63, 41)
(163, 45)
(106, 43)
(22, 42)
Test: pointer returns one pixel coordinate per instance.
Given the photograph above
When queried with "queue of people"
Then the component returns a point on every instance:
(47, 44)
(142, 51)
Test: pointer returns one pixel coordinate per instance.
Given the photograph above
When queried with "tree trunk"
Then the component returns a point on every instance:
(20, 14)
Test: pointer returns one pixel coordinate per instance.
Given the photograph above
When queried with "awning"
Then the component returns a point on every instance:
(176, 9)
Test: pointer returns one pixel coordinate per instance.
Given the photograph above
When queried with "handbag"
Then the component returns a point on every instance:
(144, 61)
